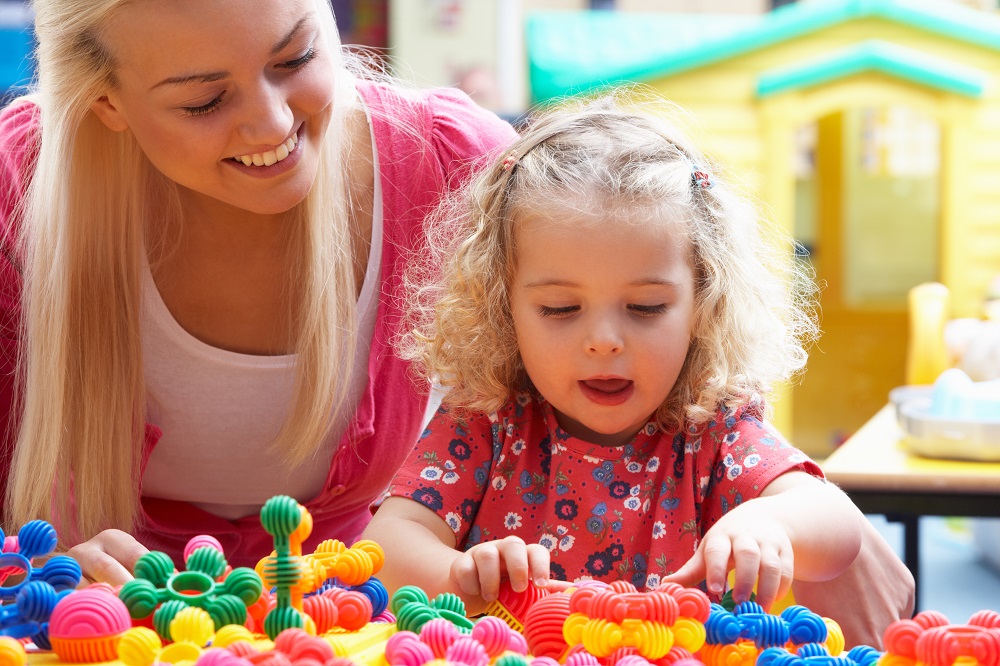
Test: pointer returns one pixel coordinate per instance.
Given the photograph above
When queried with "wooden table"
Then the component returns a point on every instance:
(874, 468)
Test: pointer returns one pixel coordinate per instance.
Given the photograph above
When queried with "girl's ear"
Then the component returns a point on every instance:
(109, 114)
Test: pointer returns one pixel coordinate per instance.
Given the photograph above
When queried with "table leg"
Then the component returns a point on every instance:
(911, 550)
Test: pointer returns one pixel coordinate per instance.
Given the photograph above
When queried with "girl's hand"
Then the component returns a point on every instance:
(109, 557)
(758, 549)
(479, 570)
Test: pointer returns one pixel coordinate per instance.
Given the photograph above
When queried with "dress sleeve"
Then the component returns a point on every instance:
(463, 134)
(749, 453)
(448, 470)
(19, 141)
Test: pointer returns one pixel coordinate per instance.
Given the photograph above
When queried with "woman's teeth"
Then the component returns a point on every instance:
(271, 156)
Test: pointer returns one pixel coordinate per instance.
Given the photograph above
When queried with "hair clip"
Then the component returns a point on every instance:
(510, 161)
(700, 178)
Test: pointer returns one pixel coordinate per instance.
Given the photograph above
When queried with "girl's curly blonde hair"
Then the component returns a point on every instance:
(754, 302)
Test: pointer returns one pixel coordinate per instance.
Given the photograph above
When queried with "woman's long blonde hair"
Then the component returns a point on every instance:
(622, 153)
(92, 202)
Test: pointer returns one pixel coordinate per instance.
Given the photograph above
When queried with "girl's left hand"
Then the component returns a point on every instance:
(757, 547)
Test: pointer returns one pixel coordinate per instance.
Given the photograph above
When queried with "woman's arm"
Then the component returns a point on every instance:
(875, 591)
(800, 528)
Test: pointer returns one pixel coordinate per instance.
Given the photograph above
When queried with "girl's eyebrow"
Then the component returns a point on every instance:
(644, 282)
(209, 77)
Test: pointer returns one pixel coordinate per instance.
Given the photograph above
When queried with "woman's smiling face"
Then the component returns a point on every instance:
(206, 86)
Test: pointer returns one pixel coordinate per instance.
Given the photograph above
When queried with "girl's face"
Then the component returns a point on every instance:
(208, 85)
(603, 313)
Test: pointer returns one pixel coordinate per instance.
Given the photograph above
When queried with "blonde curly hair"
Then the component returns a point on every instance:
(755, 303)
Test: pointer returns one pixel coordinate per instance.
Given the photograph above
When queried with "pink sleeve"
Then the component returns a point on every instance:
(19, 137)
(463, 134)
(741, 455)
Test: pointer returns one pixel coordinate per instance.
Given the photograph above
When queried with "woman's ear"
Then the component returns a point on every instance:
(109, 114)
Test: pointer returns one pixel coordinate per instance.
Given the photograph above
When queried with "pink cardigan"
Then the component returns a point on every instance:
(426, 142)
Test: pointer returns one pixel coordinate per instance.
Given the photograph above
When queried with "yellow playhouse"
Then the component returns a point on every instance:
(871, 130)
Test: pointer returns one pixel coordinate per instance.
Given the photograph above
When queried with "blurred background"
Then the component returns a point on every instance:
(869, 129)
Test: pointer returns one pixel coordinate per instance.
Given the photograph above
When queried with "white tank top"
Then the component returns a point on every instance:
(220, 410)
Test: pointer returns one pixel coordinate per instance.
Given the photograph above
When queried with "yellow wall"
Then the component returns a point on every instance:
(754, 137)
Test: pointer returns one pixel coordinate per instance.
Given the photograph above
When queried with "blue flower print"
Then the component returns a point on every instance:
(475, 536)
(604, 473)
(639, 570)
(599, 509)
(557, 571)
(734, 472)
(460, 449)
(731, 437)
(618, 489)
(429, 497)
(752, 460)
(525, 479)
(460, 431)
(595, 525)
(561, 489)
(616, 526)
(670, 503)
(567, 509)
(652, 581)
(615, 551)
(545, 456)
(653, 464)
(481, 475)
(533, 498)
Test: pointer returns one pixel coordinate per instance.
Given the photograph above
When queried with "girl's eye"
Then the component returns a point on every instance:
(204, 108)
(647, 310)
(301, 62)
(546, 311)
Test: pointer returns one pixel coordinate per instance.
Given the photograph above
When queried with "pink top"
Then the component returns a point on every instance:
(426, 142)
(634, 512)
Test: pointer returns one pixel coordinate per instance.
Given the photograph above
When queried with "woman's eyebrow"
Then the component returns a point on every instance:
(209, 77)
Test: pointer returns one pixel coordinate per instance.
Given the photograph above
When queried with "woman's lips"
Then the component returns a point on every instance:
(607, 391)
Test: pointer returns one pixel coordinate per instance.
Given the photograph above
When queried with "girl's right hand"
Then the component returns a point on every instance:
(479, 570)
(109, 557)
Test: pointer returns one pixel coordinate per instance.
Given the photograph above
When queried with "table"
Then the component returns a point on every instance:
(874, 468)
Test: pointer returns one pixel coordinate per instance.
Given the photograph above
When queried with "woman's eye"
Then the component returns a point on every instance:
(301, 62)
(546, 311)
(204, 108)
(647, 310)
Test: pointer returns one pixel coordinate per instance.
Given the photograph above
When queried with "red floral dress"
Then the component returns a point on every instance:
(634, 512)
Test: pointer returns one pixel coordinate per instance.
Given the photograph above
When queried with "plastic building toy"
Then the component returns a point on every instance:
(290, 524)
(929, 639)
(86, 626)
(413, 609)
(604, 620)
(512, 607)
(37, 594)
(162, 592)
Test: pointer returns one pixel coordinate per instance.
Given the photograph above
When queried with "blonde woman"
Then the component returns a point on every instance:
(204, 213)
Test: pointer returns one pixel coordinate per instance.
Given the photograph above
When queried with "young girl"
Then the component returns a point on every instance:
(607, 327)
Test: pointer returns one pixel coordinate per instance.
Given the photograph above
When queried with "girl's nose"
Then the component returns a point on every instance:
(605, 339)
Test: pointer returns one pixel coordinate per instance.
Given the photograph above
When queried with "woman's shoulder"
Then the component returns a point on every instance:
(20, 136)
(446, 119)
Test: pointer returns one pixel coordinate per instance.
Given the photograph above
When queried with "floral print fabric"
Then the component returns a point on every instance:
(634, 512)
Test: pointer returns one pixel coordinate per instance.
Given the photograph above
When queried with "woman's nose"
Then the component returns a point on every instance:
(267, 119)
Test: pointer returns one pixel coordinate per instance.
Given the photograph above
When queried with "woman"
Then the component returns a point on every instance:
(204, 219)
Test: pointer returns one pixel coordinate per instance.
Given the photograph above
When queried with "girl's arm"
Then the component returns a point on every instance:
(799, 528)
(420, 550)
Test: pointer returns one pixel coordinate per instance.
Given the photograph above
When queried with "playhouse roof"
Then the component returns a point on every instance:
(571, 52)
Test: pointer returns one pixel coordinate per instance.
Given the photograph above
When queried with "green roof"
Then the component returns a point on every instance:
(571, 52)
(876, 55)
